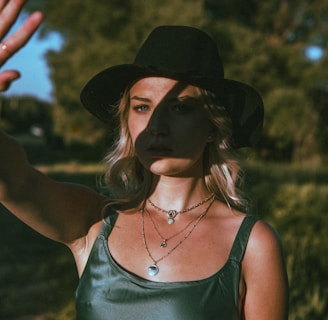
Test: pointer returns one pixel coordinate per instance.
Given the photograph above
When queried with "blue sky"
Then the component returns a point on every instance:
(32, 65)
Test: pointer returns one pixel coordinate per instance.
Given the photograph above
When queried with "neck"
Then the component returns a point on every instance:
(179, 193)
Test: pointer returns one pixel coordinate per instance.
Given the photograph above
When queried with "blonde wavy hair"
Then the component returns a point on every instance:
(129, 183)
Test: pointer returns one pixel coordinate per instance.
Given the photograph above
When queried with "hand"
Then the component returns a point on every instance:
(9, 11)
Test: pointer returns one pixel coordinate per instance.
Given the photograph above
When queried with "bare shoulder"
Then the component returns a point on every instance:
(264, 249)
(262, 231)
(263, 237)
(264, 274)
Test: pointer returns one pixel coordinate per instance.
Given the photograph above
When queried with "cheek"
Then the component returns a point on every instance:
(192, 146)
(194, 138)
(131, 130)
(135, 129)
(193, 152)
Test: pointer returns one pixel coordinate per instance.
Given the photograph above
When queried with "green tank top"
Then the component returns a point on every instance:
(108, 292)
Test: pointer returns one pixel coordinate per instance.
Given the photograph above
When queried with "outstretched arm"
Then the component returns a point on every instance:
(60, 211)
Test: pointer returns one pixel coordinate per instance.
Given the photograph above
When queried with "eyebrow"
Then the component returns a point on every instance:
(140, 99)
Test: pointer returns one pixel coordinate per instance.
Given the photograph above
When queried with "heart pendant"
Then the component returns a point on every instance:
(153, 270)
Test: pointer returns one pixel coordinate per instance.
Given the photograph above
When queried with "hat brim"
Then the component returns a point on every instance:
(102, 93)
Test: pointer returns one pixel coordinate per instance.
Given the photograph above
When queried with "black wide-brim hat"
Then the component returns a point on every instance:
(186, 54)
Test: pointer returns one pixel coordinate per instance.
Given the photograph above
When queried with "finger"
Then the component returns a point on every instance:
(7, 77)
(9, 14)
(20, 37)
(24, 33)
(3, 3)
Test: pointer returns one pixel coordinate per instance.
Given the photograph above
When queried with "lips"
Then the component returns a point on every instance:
(159, 149)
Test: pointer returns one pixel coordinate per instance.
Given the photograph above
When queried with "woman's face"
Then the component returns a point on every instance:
(169, 126)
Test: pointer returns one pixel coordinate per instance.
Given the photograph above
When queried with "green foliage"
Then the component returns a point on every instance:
(290, 104)
(300, 213)
(21, 114)
(295, 202)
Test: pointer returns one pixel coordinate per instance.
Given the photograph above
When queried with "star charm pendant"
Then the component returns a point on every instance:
(163, 244)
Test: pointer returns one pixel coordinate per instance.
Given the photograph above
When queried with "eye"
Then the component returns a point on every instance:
(141, 108)
(182, 108)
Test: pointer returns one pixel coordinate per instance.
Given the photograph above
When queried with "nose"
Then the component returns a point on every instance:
(158, 123)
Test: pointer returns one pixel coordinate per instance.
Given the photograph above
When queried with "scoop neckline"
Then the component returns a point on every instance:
(138, 279)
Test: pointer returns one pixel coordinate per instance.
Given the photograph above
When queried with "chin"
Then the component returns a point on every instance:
(174, 167)
(161, 168)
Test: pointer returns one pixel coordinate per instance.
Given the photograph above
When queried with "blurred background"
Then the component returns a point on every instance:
(278, 46)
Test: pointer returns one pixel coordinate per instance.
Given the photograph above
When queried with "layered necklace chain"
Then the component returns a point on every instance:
(171, 214)
(164, 241)
(154, 269)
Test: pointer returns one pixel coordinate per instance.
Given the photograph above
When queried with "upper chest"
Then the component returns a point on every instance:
(193, 249)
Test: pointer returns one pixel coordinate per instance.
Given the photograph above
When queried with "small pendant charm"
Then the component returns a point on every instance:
(170, 220)
(171, 214)
(163, 244)
(153, 270)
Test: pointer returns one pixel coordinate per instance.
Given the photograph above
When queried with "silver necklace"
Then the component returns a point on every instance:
(153, 269)
(171, 214)
(164, 241)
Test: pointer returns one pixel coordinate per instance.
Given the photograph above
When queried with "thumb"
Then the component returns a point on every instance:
(6, 79)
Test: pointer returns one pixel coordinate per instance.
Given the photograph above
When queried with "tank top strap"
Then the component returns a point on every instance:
(240, 242)
(108, 222)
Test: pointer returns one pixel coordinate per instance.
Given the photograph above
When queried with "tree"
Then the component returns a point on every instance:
(268, 41)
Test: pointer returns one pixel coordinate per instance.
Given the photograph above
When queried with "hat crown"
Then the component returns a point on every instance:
(181, 50)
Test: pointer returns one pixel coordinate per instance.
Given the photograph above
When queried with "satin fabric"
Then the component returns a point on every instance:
(108, 292)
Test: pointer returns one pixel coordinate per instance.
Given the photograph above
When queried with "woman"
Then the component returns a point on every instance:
(170, 242)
